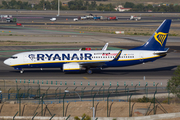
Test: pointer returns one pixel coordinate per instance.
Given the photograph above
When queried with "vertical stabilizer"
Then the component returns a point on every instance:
(158, 40)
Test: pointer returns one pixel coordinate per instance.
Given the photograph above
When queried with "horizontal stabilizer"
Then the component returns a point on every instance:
(161, 52)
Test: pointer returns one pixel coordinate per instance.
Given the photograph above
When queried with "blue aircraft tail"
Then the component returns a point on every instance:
(158, 40)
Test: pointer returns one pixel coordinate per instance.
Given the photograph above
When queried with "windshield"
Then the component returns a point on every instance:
(14, 57)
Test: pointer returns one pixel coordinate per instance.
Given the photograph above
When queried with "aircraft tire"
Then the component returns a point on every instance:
(89, 71)
(21, 71)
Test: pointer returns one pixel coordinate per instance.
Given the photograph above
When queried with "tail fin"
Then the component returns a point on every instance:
(158, 40)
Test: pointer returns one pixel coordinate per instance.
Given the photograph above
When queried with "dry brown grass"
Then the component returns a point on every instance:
(118, 109)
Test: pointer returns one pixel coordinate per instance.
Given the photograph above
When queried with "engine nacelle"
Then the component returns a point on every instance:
(71, 67)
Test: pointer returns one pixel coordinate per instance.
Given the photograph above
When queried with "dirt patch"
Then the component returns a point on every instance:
(116, 109)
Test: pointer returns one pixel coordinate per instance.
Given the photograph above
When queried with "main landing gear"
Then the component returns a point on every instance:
(88, 70)
(21, 71)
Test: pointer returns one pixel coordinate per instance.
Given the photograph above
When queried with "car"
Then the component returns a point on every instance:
(18, 24)
(112, 18)
(75, 19)
(8, 20)
(53, 19)
(135, 18)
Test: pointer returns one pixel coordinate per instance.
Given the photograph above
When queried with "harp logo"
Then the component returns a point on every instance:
(160, 37)
(31, 56)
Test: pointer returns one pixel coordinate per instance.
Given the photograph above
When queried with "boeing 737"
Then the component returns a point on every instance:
(69, 61)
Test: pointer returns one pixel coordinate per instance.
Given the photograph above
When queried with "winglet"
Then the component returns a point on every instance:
(117, 56)
(105, 46)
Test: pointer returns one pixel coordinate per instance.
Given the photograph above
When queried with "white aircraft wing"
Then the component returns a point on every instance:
(92, 64)
(99, 63)
(105, 46)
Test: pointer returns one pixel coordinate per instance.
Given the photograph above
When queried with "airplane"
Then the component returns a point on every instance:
(70, 61)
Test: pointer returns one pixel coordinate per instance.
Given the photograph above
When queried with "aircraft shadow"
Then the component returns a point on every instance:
(104, 71)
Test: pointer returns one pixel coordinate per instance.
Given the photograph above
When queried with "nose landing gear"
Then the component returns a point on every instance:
(21, 71)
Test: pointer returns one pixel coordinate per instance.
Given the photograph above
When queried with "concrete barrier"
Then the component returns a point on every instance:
(150, 117)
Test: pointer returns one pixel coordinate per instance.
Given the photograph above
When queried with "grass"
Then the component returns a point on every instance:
(140, 31)
(133, 30)
(160, 100)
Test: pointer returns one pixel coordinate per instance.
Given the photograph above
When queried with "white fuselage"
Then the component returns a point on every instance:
(43, 59)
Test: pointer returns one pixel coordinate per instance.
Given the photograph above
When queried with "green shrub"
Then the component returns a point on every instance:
(165, 101)
(76, 118)
(144, 99)
(86, 117)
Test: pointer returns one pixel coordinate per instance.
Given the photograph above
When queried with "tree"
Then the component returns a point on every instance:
(128, 5)
(19, 5)
(140, 7)
(26, 5)
(87, 4)
(150, 7)
(93, 5)
(70, 3)
(5, 5)
(12, 3)
(171, 8)
(177, 8)
(174, 83)
(47, 5)
(41, 4)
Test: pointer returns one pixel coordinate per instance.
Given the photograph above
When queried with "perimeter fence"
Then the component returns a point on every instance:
(61, 94)
(33, 90)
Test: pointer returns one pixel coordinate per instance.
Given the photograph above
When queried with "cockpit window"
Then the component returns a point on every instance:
(14, 57)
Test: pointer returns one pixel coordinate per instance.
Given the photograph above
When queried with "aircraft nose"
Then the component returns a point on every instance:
(7, 62)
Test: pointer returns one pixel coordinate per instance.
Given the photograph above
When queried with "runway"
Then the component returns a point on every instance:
(158, 71)
(126, 23)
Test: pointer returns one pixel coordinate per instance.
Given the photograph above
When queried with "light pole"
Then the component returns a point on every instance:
(0, 96)
(58, 8)
(63, 100)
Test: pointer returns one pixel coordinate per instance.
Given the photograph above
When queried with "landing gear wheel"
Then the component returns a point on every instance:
(21, 71)
(89, 71)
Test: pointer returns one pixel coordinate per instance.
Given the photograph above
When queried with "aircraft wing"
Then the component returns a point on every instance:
(105, 46)
(99, 63)
(92, 64)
